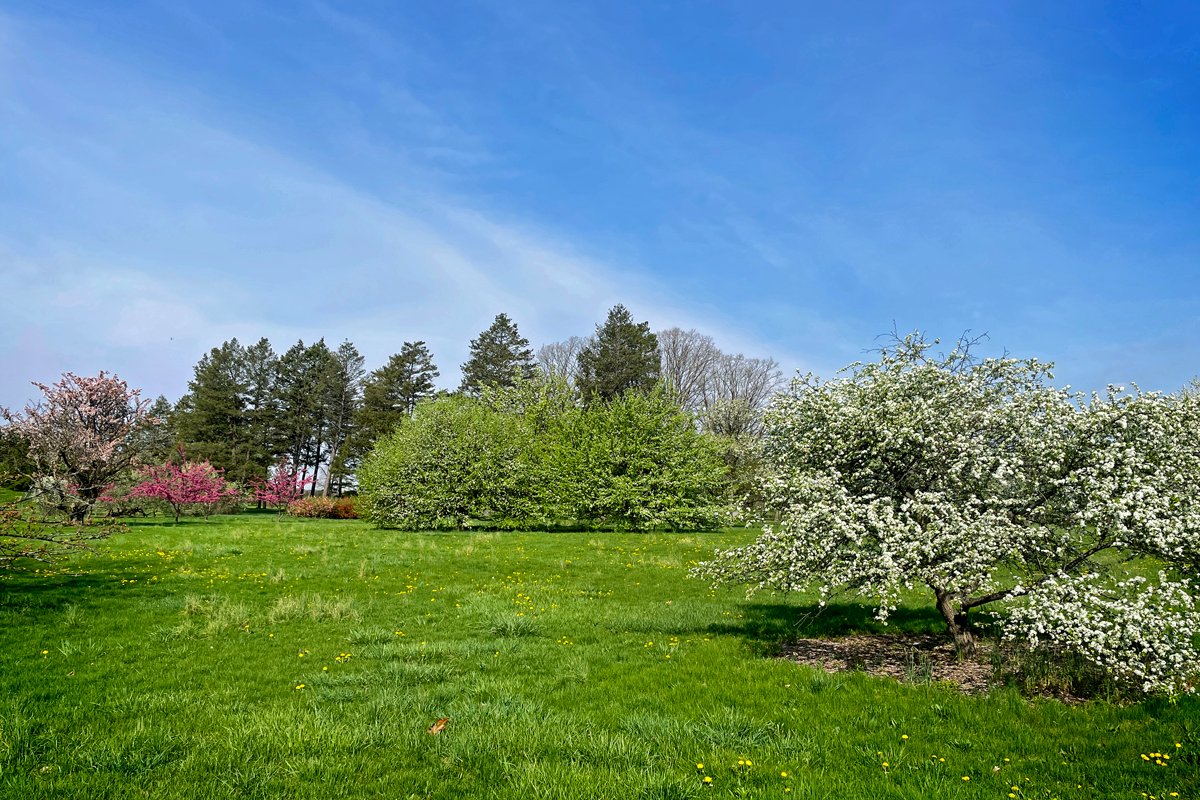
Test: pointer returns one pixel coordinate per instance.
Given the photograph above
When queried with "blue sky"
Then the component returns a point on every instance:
(794, 179)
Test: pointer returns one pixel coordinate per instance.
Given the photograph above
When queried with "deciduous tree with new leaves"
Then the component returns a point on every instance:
(981, 483)
(84, 432)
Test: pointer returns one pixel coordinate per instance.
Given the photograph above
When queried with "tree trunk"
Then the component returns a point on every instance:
(956, 623)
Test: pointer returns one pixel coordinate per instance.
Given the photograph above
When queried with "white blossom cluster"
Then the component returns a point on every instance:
(982, 482)
(1131, 628)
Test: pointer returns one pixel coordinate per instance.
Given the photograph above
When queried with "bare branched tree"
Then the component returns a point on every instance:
(561, 359)
(688, 362)
(738, 377)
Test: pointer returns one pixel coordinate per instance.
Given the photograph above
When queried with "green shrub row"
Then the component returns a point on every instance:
(529, 457)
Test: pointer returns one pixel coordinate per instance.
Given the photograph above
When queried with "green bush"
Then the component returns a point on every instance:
(527, 457)
(456, 460)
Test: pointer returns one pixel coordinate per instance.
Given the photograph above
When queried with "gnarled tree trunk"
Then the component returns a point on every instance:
(956, 622)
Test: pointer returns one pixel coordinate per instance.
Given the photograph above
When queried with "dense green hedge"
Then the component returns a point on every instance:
(527, 458)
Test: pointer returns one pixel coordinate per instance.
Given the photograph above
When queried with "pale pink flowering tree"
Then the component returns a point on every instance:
(284, 485)
(183, 485)
(82, 433)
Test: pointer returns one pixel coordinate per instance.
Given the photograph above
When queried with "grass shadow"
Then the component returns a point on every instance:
(51, 591)
(767, 626)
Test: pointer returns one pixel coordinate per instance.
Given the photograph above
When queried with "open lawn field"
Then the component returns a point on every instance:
(258, 657)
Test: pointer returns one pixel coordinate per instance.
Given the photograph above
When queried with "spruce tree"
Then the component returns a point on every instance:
(499, 354)
(623, 355)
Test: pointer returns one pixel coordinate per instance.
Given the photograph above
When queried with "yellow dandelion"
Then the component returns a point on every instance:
(707, 779)
(699, 766)
(904, 736)
(966, 777)
(783, 774)
(299, 686)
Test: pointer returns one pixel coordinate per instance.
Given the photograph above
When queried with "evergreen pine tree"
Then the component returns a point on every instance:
(306, 375)
(499, 354)
(391, 393)
(210, 420)
(344, 393)
(262, 407)
(623, 355)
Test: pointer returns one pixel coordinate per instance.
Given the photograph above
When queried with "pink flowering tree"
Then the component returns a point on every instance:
(183, 485)
(284, 485)
(82, 434)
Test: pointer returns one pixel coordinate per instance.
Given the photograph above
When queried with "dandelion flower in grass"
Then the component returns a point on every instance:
(783, 774)
(966, 777)
(299, 686)
(707, 779)
(904, 736)
(699, 766)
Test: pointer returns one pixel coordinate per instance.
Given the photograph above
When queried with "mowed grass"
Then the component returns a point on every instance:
(255, 657)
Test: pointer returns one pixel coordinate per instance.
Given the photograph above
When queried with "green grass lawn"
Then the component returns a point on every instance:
(254, 656)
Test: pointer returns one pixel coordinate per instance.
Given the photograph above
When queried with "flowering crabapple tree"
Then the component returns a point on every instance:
(183, 485)
(283, 486)
(979, 482)
(82, 433)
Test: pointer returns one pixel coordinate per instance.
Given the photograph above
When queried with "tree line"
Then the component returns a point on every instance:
(321, 410)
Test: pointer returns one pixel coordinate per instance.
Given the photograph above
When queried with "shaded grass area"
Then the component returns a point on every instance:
(256, 656)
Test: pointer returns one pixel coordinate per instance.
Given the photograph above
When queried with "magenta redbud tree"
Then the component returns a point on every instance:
(183, 485)
(284, 485)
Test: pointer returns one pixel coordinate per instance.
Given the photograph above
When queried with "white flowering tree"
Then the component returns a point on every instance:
(979, 481)
(83, 434)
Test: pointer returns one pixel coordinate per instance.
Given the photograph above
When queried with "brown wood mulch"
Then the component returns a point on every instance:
(911, 658)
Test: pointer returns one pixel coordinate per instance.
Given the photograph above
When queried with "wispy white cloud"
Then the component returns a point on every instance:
(175, 230)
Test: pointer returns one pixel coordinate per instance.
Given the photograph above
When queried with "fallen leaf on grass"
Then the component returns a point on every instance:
(438, 726)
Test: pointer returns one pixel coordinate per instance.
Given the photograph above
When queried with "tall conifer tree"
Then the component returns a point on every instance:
(391, 393)
(497, 356)
(623, 355)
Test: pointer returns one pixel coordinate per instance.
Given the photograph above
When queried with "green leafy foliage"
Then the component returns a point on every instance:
(527, 456)
(636, 462)
(454, 461)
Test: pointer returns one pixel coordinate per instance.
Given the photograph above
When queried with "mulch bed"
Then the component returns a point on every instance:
(912, 658)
